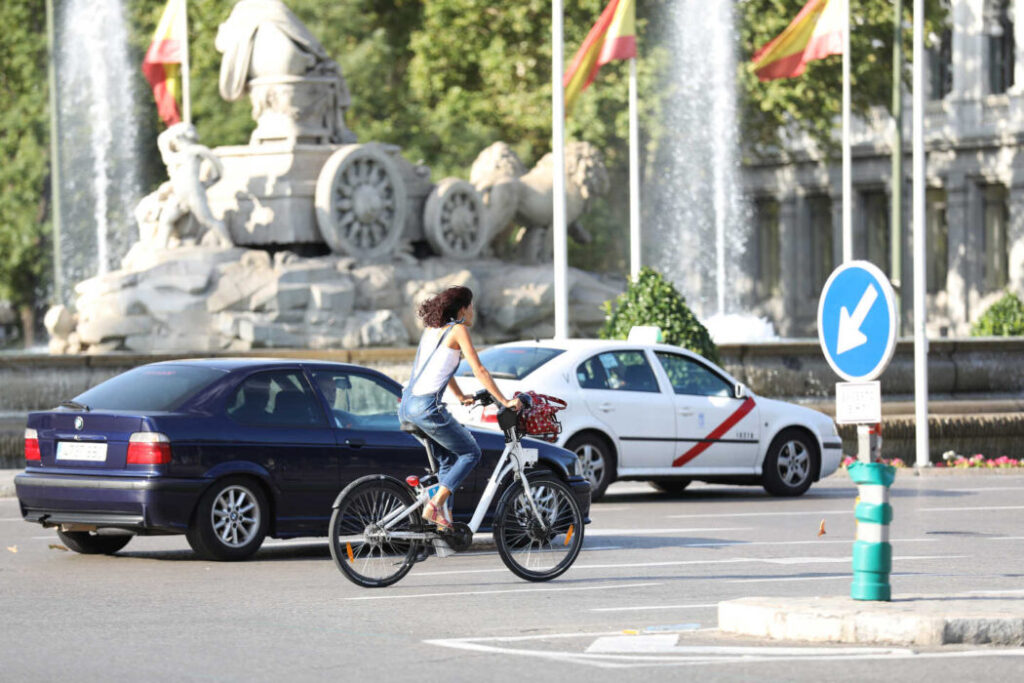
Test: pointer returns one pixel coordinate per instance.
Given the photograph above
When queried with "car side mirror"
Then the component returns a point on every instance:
(739, 391)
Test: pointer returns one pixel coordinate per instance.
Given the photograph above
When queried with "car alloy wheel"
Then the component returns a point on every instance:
(794, 463)
(592, 464)
(596, 461)
(235, 516)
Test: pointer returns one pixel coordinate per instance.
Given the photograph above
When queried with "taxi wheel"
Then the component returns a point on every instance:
(791, 463)
(230, 521)
(597, 461)
(89, 543)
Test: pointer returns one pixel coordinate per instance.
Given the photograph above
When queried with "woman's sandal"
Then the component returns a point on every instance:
(436, 515)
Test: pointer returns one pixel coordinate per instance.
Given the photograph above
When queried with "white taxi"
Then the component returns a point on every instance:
(659, 413)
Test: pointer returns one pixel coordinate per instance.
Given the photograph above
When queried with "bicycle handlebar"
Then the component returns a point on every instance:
(484, 398)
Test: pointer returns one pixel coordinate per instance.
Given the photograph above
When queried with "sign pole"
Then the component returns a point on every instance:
(561, 247)
(634, 176)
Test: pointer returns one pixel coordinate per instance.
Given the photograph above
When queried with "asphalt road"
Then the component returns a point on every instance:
(640, 604)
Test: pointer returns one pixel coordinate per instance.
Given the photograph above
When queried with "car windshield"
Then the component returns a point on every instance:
(511, 362)
(149, 388)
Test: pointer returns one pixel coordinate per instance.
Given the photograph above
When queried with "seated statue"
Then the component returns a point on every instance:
(263, 41)
(515, 197)
(178, 210)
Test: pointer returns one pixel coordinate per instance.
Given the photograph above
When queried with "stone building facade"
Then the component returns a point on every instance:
(974, 131)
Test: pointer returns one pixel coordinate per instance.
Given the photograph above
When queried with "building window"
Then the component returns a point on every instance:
(999, 36)
(876, 228)
(940, 66)
(996, 266)
(766, 248)
(938, 241)
(819, 209)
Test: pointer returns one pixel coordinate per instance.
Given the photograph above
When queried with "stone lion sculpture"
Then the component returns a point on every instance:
(179, 209)
(514, 197)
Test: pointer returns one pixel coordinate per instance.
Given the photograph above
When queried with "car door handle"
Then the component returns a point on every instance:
(606, 407)
(355, 443)
(686, 412)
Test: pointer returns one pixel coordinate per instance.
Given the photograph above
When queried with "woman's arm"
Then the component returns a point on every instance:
(459, 396)
(461, 335)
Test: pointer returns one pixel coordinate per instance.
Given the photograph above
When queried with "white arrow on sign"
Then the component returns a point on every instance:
(850, 336)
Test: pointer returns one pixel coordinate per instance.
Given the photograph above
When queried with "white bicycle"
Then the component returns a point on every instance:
(377, 532)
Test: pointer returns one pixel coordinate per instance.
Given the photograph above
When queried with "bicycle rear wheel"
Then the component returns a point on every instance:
(366, 554)
(538, 550)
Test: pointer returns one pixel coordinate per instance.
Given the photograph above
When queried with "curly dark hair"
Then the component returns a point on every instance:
(444, 307)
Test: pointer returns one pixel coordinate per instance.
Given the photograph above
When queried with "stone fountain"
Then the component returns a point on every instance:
(306, 238)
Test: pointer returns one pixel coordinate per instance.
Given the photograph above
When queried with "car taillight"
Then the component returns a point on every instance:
(489, 414)
(32, 446)
(148, 448)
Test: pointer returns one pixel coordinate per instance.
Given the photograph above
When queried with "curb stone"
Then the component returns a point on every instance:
(925, 620)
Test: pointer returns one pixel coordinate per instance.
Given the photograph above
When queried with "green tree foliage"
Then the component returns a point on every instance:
(24, 153)
(1004, 318)
(813, 101)
(653, 300)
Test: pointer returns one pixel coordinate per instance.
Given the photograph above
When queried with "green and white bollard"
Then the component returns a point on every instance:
(872, 553)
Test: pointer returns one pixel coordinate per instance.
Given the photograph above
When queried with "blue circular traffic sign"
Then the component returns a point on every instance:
(857, 321)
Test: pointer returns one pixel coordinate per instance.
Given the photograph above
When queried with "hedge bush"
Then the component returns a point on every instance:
(1004, 318)
(653, 300)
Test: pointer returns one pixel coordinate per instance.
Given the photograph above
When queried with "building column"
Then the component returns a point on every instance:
(1015, 233)
(789, 277)
(1017, 14)
(957, 275)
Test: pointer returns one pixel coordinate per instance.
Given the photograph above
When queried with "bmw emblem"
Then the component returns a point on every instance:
(79, 423)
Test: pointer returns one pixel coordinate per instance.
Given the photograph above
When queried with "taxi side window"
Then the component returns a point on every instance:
(691, 377)
(618, 371)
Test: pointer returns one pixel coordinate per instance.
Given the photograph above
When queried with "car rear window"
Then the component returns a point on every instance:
(149, 388)
(511, 362)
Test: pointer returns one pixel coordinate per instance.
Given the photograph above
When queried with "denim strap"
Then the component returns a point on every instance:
(416, 361)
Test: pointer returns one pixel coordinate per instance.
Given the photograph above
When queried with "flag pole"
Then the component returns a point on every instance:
(634, 176)
(847, 180)
(920, 253)
(558, 227)
(186, 98)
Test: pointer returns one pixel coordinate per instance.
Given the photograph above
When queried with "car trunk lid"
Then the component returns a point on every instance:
(85, 441)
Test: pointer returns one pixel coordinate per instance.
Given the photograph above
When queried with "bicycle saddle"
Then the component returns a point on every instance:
(410, 428)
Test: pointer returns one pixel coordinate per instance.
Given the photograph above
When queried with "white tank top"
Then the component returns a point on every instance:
(440, 367)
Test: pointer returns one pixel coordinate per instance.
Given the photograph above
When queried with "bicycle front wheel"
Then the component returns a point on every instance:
(362, 550)
(538, 549)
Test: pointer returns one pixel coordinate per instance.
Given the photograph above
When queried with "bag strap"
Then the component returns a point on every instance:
(416, 361)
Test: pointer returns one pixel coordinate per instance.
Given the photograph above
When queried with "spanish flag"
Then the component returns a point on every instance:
(162, 64)
(612, 37)
(816, 32)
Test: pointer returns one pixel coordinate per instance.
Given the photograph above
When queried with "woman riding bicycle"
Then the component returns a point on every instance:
(447, 317)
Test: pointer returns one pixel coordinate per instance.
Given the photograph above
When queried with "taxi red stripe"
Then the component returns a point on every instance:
(715, 434)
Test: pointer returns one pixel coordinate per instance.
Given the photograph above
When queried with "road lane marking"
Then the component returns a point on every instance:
(653, 532)
(637, 608)
(716, 544)
(1011, 591)
(510, 590)
(694, 655)
(973, 509)
(790, 513)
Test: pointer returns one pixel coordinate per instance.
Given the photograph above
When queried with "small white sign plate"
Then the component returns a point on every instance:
(78, 450)
(858, 402)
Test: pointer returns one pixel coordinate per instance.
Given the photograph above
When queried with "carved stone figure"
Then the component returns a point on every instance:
(179, 209)
(297, 91)
(513, 196)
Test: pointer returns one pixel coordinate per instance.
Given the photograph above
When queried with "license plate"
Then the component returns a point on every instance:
(76, 450)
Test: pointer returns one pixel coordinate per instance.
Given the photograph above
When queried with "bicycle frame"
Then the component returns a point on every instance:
(513, 458)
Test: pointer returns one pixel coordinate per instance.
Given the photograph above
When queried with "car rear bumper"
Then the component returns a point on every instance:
(580, 488)
(134, 503)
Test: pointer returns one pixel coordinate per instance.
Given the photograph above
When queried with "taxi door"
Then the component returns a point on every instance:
(714, 429)
(621, 390)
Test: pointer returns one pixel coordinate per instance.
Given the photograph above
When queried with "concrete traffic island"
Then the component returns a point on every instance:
(924, 620)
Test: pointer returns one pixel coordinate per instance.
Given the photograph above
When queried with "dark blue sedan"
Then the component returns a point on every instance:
(227, 452)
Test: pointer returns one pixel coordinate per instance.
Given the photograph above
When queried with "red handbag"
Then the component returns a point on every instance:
(539, 418)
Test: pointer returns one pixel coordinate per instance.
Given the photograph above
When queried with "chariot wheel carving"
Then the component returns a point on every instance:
(454, 221)
(360, 201)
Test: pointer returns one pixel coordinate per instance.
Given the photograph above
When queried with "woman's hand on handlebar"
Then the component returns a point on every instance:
(515, 404)
(467, 400)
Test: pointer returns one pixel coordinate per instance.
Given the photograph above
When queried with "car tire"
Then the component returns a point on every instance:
(90, 543)
(789, 467)
(230, 521)
(673, 487)
(597, 461)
